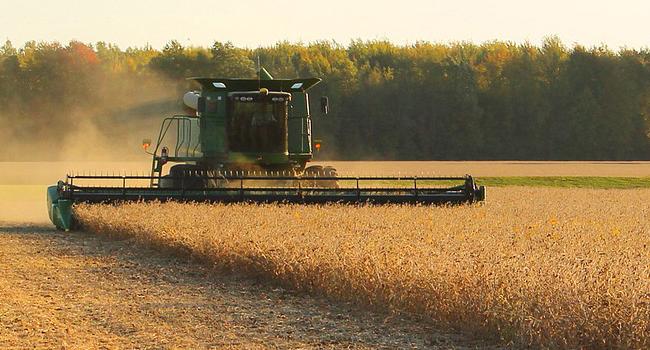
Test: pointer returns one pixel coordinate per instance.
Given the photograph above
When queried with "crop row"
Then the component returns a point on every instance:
(556, 268)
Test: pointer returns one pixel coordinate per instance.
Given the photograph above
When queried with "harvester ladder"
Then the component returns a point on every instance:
(184, 146)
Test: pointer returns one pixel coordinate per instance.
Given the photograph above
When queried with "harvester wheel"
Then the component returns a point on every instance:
(316, 171)
(187, 176)
(330, 171)
(166, 182)
(312, 171)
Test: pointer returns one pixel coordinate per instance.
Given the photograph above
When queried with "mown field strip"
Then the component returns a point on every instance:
(555, 268)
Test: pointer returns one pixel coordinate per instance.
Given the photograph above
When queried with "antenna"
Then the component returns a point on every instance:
(259, 71)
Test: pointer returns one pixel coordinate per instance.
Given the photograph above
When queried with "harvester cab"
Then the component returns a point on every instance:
(260, 126)
(248, 140)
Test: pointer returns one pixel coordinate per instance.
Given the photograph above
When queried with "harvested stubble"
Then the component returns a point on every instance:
(556, 268)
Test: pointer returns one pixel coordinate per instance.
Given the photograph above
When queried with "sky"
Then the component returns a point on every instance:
(253, 23)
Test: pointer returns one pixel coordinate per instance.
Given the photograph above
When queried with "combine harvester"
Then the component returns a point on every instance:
(247, 140)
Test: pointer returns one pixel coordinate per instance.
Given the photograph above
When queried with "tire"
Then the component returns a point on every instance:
(187, 176)
(166, 182)
(320, 171)
(313, 171)
(331, 172)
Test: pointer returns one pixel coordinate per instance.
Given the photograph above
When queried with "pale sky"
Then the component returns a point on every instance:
(253, 23)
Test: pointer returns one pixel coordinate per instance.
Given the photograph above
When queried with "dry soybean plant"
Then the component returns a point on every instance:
(554, 268)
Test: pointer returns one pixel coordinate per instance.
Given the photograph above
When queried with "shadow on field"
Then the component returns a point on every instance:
(30, 228)
(193, 298)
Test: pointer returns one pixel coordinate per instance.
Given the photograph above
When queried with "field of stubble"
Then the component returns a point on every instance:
(553, 268)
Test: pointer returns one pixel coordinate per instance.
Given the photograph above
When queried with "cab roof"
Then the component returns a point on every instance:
(230, 85)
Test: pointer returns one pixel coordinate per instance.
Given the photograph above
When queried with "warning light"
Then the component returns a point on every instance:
(317, 145)
(145, 144)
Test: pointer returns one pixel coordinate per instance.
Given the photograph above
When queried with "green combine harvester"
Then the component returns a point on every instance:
(247, 140)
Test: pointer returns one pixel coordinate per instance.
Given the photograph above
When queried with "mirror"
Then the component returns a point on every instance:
(324, 105)
(200, 105)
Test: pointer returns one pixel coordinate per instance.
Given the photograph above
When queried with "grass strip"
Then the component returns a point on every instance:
(602, 182)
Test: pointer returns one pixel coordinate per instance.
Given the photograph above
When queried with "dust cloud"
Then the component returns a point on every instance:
(106, 121)
(44, 141)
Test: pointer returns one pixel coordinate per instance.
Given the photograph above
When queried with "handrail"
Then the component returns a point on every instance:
(183, 138)
(223, 176)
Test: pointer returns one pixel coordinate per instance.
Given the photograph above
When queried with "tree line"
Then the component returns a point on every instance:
(497, 100)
